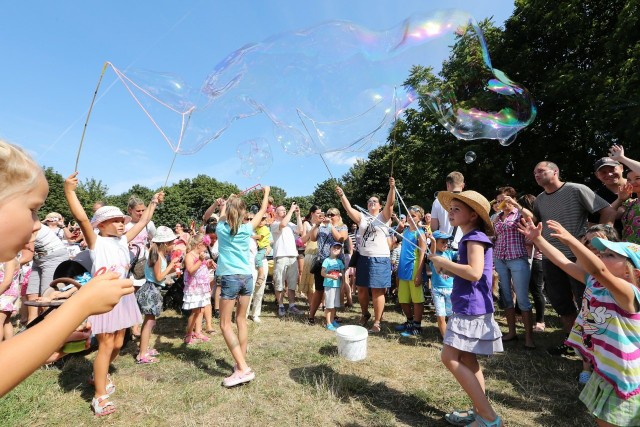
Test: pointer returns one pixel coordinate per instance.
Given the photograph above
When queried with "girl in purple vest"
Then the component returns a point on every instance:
(471, 329)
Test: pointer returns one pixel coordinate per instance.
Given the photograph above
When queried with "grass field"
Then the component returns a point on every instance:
(301, 381)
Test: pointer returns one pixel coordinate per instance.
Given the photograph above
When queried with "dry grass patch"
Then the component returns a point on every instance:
(301, 381)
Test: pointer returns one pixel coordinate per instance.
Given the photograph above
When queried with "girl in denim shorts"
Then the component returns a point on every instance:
(235, 271)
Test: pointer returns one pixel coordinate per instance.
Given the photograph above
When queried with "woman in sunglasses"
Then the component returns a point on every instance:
(373, 270)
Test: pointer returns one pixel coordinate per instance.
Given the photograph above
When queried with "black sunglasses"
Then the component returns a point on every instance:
(331, 215)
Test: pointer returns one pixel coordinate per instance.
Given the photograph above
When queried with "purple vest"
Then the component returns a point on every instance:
(474, 298)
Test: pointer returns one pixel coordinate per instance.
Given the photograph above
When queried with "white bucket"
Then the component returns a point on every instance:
(352, 342)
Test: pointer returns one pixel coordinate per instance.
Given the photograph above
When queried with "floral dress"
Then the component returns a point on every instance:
(631, 221)
(197, 289)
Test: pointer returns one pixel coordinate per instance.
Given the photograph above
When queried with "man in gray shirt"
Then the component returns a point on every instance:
(569, 204)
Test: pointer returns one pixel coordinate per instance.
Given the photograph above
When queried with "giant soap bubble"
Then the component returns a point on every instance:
(334, 87)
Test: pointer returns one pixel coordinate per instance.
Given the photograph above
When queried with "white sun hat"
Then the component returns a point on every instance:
(164, 235)
(108, 212)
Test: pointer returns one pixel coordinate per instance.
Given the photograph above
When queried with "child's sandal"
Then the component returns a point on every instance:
(98, 409)
(153, 352)
(146, 360)
(190, 339)
(110, 388)
(481, 422)
(375, 328)
(202, 338)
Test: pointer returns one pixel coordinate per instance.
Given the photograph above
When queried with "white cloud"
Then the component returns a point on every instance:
(343, 159)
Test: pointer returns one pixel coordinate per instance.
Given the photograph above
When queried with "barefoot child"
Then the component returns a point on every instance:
(332, 270)
(149, 298)
(109, 252)
(471, 329)
(607, 329)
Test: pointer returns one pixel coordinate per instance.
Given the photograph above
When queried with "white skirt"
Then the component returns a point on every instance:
(190, 301)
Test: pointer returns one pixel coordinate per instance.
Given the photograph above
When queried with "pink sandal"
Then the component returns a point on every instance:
(190, 339)
(202, 338)
(146, 360)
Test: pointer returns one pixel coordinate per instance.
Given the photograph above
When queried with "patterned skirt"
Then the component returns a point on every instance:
(149, 299)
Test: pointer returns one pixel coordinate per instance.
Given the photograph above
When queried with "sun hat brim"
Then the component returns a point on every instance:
(474, 200)
(106, 213)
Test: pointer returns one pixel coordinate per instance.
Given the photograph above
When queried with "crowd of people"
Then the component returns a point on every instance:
(573, 247)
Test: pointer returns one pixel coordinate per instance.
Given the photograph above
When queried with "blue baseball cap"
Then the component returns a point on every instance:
(439, 235)
(626, 249)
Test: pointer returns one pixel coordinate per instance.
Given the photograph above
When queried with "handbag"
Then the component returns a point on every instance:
(316, 263)
(138, 261)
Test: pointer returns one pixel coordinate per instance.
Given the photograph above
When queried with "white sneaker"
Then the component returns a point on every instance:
(256, 319)
(281, 311)
(294, 310)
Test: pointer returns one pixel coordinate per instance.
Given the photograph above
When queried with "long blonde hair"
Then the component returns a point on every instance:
(194, 241)
(18, 171)
(236, 209)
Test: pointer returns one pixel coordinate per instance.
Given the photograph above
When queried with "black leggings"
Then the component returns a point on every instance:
(536, 286)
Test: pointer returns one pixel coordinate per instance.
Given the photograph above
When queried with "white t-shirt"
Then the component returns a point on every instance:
(144, 237)
(284, 240)
(439, 213)
(110, 254)
(373, 237)
(47, 240)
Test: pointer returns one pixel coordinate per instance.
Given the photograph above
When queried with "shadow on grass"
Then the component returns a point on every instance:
(378, 398)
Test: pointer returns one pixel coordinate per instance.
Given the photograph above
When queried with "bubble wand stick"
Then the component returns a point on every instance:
(368, 215)
(422, 236)
(86, 122)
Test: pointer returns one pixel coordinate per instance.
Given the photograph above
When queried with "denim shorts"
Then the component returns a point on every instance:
(236, 285)
(442, 301)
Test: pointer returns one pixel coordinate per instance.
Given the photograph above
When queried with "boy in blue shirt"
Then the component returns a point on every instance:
(442, 283)
(332, 269)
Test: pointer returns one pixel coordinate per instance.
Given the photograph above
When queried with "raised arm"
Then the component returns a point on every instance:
(391, 200)
(70, 187)
(287, 218)
(534, 234)
(616, 152)
(145, 217)
(257, 218)
(351, 212)
(619, 288)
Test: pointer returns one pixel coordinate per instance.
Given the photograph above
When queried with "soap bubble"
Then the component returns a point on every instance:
(487, 105)
(255, 157)
(334, 87)
(469, 157)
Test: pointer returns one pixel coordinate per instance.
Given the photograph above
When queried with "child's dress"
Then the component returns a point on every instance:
(197, 290)
(112, 254)
(9, 297)
(472, 327)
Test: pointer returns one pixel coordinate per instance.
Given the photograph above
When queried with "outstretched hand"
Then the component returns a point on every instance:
(616, 152)
(529, 229)
(339, 191)
(103, 292)
(392, 182)
(559, 232)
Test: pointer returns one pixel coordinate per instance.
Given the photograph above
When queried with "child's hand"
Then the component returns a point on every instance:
(211, 265)
(221, 201)
(559, 232)
(417, 282)
(529, 230)
(266, 189)
(616, 152)
(625, 191)
(71, 183)
(102, 293)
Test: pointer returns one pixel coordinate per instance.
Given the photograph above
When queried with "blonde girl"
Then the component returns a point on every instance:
(607, 329)
(149, 299)
(471, 330)
(236, 279)
(197, 288)
(109, 252)
(23, 190)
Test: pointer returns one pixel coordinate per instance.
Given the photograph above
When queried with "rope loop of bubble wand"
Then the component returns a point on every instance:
(86, 122)
(364, 211)
(175, 153)
(422, 236)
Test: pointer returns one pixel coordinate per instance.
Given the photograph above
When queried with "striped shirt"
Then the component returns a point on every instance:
(570, 205)
(609, 337)
(510, 243)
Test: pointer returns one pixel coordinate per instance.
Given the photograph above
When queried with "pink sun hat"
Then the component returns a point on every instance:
(108, 212)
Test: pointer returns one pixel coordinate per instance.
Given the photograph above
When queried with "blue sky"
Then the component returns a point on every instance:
(53, 53)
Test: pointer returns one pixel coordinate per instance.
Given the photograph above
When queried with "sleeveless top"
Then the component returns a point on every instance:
(609, 337)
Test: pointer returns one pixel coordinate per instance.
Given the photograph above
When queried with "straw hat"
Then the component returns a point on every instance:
(474, 200)
(108, 212)
(164, 235)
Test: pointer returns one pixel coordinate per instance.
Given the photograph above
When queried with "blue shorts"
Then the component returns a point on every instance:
(236, 285)
(373, 272)
(260, 257)
(442, 301)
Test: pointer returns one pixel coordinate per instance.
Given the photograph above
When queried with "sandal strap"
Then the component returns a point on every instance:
(485, 423)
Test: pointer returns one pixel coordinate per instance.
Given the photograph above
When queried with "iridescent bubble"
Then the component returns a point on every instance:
(469, 157)
(334, 87)
(487, 106)
(255, 157)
